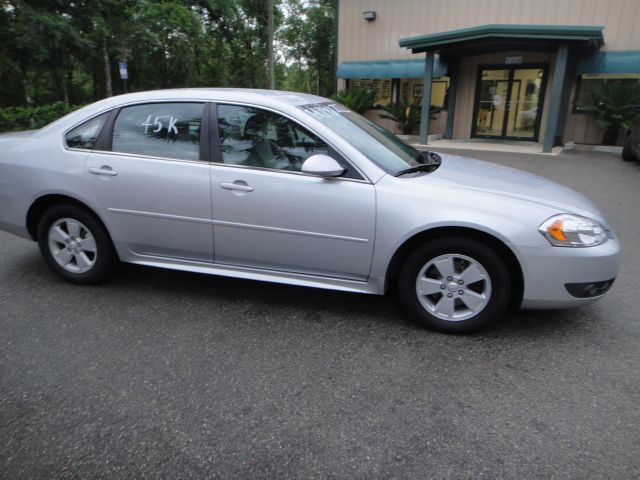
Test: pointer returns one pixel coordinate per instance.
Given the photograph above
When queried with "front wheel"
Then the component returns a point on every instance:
(454, 285)
(75, 244)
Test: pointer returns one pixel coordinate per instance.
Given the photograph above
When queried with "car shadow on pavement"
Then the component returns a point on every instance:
(147, 284)
(539, 323)
(263, 296)
(308, 301)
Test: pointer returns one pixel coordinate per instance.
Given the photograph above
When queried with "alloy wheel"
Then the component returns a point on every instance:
(453, 287)
(72, 245)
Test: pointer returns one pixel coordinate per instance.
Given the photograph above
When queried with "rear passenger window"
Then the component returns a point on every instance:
(85, 136)
(169, 130)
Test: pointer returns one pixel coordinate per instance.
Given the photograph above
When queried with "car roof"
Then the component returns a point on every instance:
(239, 94)
(267, 98)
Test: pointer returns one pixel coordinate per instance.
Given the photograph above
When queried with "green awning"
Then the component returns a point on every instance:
(590, 35)
(610, 62)
(412, 68)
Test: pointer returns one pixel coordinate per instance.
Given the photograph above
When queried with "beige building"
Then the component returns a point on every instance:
(498, 69)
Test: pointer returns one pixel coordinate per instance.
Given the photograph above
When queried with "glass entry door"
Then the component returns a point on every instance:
(509, 102)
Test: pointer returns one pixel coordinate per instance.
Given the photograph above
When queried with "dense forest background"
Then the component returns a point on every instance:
(59, 54)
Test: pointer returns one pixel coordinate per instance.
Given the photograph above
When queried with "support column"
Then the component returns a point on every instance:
(555, 104)
(566, 96)
(451, 98)
(426, 97)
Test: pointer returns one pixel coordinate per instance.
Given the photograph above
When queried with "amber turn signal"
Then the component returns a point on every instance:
(556, 231)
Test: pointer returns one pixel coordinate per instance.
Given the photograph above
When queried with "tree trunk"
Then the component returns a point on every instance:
(270, 68)
(28, 100)
(65, 88)
(25, 86)
(107, 68)
(611, 135)
(71, 94)
(165, 66)
(94, 82)
(196, 53)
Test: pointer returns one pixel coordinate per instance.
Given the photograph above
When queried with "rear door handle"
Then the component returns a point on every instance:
(104, 170)
(241, 187)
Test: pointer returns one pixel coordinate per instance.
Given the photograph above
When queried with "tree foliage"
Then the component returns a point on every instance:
(308, 39)
(28, 118)
(67, 50)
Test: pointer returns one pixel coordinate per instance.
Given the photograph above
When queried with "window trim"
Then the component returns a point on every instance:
(105, 139)
(214, 152)
(216, 157)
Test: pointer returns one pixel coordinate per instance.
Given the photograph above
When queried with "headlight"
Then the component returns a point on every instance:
(568, 230)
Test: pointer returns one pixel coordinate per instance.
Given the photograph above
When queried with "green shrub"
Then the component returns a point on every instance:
(614, 107)
(29, 118)
(357, 99)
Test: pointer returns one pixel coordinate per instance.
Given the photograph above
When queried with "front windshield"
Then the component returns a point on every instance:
(380, 145)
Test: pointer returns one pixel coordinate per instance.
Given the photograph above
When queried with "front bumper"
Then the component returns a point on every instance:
(548, 269)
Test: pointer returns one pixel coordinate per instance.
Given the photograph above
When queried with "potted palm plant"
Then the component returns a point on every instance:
(614, 106)
(357, 99)
(407, 115)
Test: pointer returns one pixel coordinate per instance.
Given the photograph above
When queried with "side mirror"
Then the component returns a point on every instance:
(322, 166)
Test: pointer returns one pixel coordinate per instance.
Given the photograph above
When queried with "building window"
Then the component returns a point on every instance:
(411, 90)
(589, 84)
(382, 87)
(439, 89)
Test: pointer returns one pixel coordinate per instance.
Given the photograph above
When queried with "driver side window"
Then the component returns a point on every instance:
(259, 138)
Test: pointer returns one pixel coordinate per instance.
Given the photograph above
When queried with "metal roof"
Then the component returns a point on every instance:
(583, 34)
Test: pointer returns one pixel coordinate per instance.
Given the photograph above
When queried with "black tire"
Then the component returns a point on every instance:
(104, 259)
(493, 265)
(627, 149)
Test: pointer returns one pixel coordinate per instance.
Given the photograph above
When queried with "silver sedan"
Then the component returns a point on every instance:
(292, 188)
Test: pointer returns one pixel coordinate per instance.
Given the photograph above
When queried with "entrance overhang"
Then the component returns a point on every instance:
(567, 41)
(532, 35)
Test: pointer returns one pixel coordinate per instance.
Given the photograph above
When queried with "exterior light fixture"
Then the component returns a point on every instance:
(369, 16)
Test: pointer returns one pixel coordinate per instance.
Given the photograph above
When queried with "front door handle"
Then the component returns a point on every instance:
(103, 170)
(238, 186)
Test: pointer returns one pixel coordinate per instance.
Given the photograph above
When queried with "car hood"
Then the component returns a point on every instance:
(493, 179)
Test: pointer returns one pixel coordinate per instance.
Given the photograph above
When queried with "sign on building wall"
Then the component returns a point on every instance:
(513, 60)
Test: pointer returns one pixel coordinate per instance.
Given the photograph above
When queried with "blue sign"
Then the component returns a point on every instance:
(123, 71)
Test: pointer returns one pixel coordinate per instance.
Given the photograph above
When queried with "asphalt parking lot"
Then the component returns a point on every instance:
(161, 374)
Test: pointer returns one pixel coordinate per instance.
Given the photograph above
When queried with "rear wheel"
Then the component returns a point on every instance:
(455, 285)
(75, 244)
